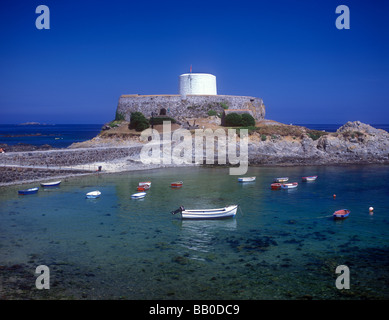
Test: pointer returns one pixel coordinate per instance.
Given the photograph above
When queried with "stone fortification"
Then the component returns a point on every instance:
(189, 106)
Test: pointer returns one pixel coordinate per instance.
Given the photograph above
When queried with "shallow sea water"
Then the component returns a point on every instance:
(282, 244)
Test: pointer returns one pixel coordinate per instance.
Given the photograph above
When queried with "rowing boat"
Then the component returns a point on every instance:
(93, 194)
(310, 178)
(138, 195)
(219, 213)
(289, 185)
(176, 184)
(246, 179)
(275, 186)
(283, 179)
(341, 214)
(50, 184)
(28, 191)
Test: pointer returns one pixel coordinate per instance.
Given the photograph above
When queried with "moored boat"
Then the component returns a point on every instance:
(176, 184)
(289, 185)
(219, 213)
(143, 187)
(28, 191)
(283, 179)
(144, 183)
(93, 194)
(246, 179)
(309, 178)
(50, 184)
(138, 195)
(341, 214)
(275, 186)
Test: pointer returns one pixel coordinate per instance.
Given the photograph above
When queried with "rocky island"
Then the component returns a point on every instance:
(117, 149)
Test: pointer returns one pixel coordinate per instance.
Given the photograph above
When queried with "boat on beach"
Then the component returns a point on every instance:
(275, 186)
(309, 178)
(28, 191)
(93, 194)
(283, 179)
(341, 214)
(289, 185)
(50, 184)
(219, 213)
(138, 195)
(176, 184)
(246, 179)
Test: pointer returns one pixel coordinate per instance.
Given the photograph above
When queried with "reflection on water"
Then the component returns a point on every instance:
(200, 235)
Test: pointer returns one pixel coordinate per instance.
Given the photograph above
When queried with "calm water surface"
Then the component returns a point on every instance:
(281, 245)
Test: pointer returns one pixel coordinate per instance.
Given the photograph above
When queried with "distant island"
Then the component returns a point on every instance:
(34, 124)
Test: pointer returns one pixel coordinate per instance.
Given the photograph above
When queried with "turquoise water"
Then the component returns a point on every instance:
(282, 244)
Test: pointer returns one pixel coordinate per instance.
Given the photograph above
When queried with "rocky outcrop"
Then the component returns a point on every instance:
(354, 142)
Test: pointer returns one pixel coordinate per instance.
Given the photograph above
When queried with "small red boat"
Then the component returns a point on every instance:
(341, 214)
(143, 186)
(275, 186)
(176, 184)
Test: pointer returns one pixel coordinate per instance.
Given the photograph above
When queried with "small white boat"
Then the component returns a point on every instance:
(220, 213)
(246, 179)
(289, 185)
(283, 179)
(310, 178)
(138, 195)
(144, 183)
(51, 184)
(93, 194)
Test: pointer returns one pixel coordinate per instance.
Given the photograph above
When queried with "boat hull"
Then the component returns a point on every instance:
(311, 178)
(275, 186)
(93, 195)
(28, 191)
(138, 195)
(246, 179)
(177, 184)
(220, 213)
(144, 183)
(279, 180)
(50, 184)
(341, 214)
(289, 185)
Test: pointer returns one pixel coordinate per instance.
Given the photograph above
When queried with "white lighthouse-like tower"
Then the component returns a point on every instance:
(197, 84)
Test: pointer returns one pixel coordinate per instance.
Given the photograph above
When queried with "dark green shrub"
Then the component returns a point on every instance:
(224, 105)
(247, 120)
(233, 120)
(138, 121)
(212, 113)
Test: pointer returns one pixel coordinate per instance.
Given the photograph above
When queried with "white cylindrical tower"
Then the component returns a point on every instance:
(197, 83)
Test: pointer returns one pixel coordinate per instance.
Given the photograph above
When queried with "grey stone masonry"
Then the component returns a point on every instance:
(190, 106)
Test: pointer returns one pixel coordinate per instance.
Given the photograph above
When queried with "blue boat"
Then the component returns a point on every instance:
(28, 191)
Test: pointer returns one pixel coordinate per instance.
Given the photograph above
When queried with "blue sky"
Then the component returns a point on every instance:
(287, 52)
